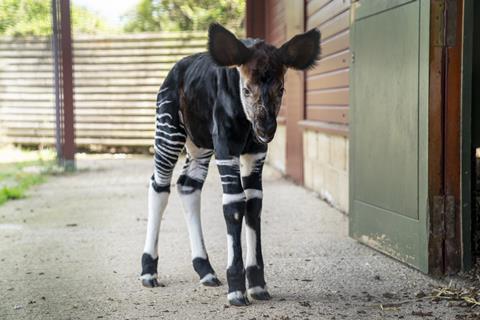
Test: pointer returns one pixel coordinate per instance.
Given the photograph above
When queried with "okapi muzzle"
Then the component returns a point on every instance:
(223, 102)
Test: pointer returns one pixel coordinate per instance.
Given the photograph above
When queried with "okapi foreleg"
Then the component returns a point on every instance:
(233, 210)
(252, 165)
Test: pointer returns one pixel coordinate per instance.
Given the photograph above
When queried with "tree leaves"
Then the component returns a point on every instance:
(179, 15)
(34, 18)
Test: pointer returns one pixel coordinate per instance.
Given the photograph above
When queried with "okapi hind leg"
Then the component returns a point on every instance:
(157, 202)
(170, 139)
(189, 187)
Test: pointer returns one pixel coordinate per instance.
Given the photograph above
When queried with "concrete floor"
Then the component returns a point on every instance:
(72, 249)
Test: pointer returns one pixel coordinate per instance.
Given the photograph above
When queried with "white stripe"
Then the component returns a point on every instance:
(160, 116)
(229, 250)
(256, 290)
(166, 150)
(235, 295)
(252, 162)
(170, 134)
(180, 116)
(253, 193)
(166, 125)
(162, 90)
(167, 154)
(172, 148)
(251, 246)
(230, 198)
(162, 179)
(197, 171)
(191, 207)
(156, 206)
(171, 142)
(160, 166)
(228, 176)
(165, 159)
(209, 277)
(148, 276)
(161, 103)
(229, 162)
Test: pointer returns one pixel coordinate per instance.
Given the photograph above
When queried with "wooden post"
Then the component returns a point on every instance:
(62, 46)
(295, 96)
(255, 19)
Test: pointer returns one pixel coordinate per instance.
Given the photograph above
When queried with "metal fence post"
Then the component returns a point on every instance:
(62, 54)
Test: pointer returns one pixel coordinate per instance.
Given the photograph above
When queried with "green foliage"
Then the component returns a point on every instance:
(17, 177)
(34, 18)
(179, 15)
(86, 22)
(26, 17)
(23, 181)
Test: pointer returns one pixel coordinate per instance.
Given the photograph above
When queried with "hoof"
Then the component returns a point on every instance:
(259, 293)
(210, 280)
(237, 299)
(151, 281)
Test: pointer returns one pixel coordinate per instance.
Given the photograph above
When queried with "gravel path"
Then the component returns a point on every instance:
(72, 249)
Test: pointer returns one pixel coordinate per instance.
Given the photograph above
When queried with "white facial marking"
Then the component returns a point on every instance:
(251, 246)
(242, 98)
(156, 206)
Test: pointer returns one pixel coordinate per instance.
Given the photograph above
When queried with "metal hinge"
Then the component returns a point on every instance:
(444, 22)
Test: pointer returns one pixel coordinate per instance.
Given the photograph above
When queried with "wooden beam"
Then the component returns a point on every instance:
(295, 97)
(255, 19)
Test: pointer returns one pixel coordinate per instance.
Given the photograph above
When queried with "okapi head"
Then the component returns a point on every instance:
(262, 69)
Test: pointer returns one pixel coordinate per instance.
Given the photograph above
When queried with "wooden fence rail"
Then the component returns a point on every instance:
(116, 79)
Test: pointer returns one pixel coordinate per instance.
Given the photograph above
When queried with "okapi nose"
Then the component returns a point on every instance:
(269, 128)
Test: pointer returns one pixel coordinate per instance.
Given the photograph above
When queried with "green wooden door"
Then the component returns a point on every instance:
(389, 122)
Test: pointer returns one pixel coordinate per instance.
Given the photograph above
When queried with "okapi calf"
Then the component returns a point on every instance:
(224, 101)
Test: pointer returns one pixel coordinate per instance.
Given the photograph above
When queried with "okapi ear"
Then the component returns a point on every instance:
(302, 51)
(225, 49)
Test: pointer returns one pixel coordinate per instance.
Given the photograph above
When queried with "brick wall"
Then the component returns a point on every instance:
(326, 166)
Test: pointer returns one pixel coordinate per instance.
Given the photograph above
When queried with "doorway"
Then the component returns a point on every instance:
(474, 137)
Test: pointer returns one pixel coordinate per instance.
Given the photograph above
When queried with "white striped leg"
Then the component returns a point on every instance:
(252, 165)
(170, 138)
(189, 186)
(157, 202)
(233, 211)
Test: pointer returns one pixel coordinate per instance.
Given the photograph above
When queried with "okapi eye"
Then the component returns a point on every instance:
(246, 92)
(281, 91)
